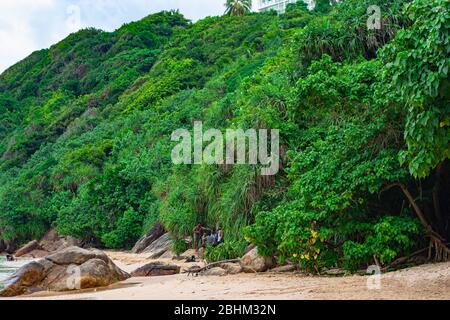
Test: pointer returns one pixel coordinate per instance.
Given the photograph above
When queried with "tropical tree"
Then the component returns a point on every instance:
(323, 6)
(238, 7)
(418, 66)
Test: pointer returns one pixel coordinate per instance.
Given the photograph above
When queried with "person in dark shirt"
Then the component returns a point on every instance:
(198, 233)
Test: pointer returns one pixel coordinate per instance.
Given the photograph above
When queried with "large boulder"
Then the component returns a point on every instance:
(253, 262)
(231, 268)
(249, 248)
(25, 279)
(76, 255)
(72, 268)
(156, 232)
(52, 242)
(159, 246)
(217, 271)
(169, 255)
(36, 254)
(156, 269)
(30, 246)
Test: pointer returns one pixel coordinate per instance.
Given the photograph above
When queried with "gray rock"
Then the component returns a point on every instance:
(97, 273)
(249, 248)
(159, 246)
(52, 242)
(26, 277)
(36, 254)
(156, 232)
(76, 255)
(231, 268)
(30, 246)
(70, 269)
(215, 272)
(252, 262)
(168, 255)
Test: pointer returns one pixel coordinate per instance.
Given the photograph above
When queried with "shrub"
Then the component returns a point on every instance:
(225, 251)
(179, 246)
(388, 239)
(126, 232)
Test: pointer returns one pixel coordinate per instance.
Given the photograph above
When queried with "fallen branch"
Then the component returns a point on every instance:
(214, 264)
(402, 260)
(211, 265)
(411, 200)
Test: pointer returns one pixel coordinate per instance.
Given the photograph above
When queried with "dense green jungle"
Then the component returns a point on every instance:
(363, 114)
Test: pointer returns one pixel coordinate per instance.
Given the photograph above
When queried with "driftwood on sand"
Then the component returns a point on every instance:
(196, 270)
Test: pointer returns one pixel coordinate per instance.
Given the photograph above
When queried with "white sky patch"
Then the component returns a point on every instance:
(29, 25)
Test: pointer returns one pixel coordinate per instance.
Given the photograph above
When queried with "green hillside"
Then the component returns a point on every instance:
(85, 132)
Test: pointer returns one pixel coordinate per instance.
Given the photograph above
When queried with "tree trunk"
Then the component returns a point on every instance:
(436, 201)
(437, 242)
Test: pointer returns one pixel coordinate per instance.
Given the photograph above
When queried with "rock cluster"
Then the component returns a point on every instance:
(156, 232)
(72, 268)
(50, 242)
(253, 262)
(158, 247)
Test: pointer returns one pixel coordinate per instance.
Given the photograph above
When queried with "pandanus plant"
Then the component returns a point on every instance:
(238, 7)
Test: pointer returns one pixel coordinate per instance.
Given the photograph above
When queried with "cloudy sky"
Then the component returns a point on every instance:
(29, 25)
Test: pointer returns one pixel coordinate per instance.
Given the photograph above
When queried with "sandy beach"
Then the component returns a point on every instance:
(423, 282)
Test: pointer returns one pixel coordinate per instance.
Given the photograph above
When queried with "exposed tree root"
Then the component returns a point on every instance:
(441, 251)
(437, 243)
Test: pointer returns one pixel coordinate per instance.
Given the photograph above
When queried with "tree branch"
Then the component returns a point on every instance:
(413, 203)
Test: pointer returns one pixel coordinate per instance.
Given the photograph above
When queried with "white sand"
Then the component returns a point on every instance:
(423, 282)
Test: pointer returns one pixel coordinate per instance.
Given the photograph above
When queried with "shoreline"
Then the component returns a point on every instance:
(430, 281)
(7, 268)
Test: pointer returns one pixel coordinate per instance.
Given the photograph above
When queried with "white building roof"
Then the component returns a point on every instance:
(277, 5)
